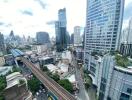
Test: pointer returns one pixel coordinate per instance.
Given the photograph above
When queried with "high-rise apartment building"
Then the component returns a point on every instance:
(2, 46)
(103, 25)
(130, 31)
(77, 37)
(126, 35)
(42, 37)
(61, 30)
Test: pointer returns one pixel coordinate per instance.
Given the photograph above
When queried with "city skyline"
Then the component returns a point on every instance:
(22, 15)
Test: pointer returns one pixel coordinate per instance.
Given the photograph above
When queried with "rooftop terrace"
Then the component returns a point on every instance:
(123, 61)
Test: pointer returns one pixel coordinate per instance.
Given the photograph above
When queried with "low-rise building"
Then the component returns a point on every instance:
(17, 87)
(46, 60)
(9, 59)
(2, 60)
(5, 70)
(39, 49)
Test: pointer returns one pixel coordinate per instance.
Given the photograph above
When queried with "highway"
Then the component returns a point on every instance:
(53, 86)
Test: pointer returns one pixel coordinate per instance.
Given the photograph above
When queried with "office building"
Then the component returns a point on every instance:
(61, 31)
(102, 35)
(103, 25)
(77, 37)
(126, 49)
(42, 37)
(130, 31)
(124, 36)
(72, 39)
(2, 46)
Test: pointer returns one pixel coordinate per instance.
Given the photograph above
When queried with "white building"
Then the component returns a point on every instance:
(5, 69)
(17, 87)
(113, 82)
(2, 60)
(77, 35)
(39, 48)
(124, 36)
(130, 31)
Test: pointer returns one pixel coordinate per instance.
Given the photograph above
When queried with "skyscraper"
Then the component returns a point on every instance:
(42, 37)
(77, 37)
(130, 31)
(103, 25)
(72, 39)
(2, 47)
(61, 30)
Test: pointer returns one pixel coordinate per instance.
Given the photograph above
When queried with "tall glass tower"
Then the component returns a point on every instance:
(61, 30)
(103, 25)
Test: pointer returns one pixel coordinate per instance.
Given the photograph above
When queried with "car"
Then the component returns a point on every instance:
(44, 90)
(40, 91)
(37, 93)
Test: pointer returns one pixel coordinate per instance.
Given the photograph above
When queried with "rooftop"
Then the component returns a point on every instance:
(71, 78)
(13, 79)
(123, 61)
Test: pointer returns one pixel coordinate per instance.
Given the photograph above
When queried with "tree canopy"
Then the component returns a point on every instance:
(65, 83)
(2, 83)
(33, 84)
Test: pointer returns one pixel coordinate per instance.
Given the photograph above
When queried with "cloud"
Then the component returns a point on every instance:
(27, 12)
(8, 25)
(1, 23)
(42, 4)
(51, 22)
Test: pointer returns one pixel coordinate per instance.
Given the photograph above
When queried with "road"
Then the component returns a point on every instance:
(82, 95)
(54, 87)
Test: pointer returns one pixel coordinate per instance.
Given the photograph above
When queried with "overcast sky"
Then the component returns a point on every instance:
(29, 16)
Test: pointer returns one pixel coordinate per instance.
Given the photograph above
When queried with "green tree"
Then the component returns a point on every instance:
(65, 83)
(16, 69)
(2, 83)
(55, 77)
(44, 68)
(33, 84)
(2, 97)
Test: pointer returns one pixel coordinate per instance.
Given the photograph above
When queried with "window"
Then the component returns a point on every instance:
(129, 90)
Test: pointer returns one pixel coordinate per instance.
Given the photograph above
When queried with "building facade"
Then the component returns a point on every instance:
(103, 25)
(130, 31)
(2, 46)
(61, 30)
(72, 39)
(42, 37)
(77, 37)
(113, 82)
(17, 87)
(126, 35)
(126, 49)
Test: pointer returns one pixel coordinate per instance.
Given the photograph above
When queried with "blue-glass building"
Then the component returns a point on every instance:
(61, 31)
(103, 25)
(2, 46)
(42, 37)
